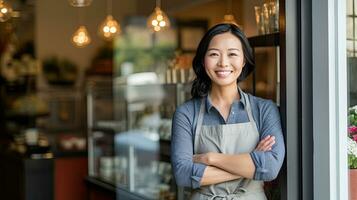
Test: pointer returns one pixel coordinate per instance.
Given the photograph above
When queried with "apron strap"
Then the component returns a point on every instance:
(249, 109)
(199, 123)
(247, 106)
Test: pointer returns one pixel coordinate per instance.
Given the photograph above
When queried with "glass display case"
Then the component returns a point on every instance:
(129, 140)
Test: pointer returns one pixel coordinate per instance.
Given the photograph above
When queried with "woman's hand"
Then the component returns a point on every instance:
(266, 143)
(205, 158)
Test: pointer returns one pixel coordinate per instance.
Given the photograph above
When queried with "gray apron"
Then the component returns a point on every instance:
(228, 139)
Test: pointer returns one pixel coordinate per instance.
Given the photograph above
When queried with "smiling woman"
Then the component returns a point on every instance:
(225, 142)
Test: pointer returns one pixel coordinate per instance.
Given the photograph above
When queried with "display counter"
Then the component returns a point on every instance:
(129, 140)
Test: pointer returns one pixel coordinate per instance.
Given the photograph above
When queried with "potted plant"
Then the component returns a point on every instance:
(352, 150)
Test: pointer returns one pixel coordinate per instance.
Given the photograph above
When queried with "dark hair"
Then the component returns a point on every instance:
(202, 84)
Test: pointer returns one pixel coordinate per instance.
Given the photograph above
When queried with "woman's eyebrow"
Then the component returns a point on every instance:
(212, 49)
(230, 49)
(234, 49)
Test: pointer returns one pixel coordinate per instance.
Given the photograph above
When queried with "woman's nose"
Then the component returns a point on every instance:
(223, 62)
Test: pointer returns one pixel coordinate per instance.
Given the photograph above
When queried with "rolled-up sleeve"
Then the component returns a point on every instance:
(268, 164)
(186, 172)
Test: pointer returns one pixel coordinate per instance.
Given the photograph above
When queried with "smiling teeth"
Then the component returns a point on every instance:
(223, 73)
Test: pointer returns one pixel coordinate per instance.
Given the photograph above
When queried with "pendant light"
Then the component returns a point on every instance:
(5, 11)
(81, 37)
(109, 28)
(158, 20)
(80, 3)
(229, 17)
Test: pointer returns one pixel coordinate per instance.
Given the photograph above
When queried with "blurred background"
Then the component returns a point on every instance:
(88, 89)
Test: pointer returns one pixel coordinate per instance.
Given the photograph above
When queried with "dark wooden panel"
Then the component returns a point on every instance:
(25, 179)
(70, 173)
(267, 40)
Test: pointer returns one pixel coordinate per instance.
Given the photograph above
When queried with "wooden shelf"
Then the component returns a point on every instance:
(267, 40)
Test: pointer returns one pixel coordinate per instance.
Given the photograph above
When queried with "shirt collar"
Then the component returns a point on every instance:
(241, 101)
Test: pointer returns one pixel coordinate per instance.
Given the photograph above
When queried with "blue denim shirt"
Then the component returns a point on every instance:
(266, 116)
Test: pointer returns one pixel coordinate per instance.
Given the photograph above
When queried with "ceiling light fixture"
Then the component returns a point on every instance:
(5, 11)
(80, 3)
(229, 17)
(109, 28)
(81, 37)
(158, 19)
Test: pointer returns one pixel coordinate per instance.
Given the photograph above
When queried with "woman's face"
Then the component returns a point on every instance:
(224, 59)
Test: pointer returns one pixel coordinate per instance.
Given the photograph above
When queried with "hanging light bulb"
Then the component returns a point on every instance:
(109, 28)
(80, 3)
(5, 11)
(158, 19)
(229, 17)
(81, 37)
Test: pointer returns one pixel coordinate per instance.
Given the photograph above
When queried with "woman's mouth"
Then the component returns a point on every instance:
(223, 73)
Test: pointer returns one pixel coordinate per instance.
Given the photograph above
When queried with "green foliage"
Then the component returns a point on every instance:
(143, 58)
(352, 118)
(352, 161)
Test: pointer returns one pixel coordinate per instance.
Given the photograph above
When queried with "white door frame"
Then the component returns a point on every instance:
(329, 99)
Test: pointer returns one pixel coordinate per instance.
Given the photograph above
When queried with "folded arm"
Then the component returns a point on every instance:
(261, 164)
(186, 172)
(237, 165)
(214, 175)
(268, 163)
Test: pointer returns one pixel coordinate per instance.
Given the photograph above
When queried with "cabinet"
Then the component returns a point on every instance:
(129, 140)
(24, 178)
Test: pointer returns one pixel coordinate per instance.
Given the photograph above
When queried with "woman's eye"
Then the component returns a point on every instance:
(213, 54)
(233, 54)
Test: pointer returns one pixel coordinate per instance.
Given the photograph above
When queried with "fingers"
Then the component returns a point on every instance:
(202, 158)
(197, 158)
(266, 144)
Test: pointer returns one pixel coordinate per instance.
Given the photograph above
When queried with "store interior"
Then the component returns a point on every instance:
(86, 113)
